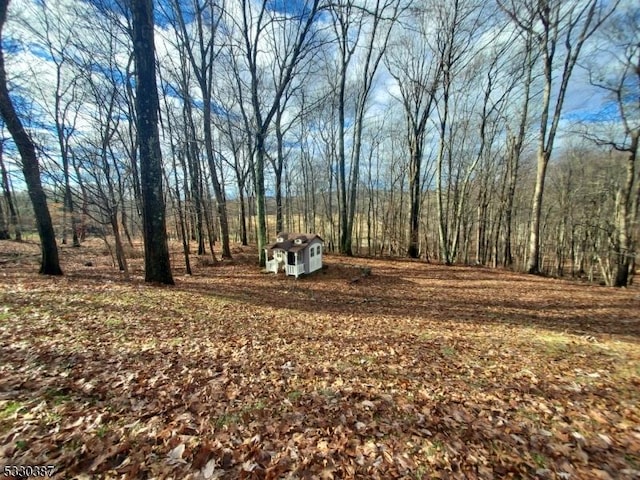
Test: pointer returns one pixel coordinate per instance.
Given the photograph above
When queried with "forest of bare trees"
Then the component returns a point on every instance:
(501, 133)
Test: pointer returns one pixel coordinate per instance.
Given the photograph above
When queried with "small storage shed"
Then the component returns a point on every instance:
(295, 253)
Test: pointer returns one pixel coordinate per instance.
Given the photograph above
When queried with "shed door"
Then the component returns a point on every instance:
(315, 262)
(291, 258)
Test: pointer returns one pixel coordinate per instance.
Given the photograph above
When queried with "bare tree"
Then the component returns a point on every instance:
(109, 54)
(370, 29)
(620, 45)
(561, 30)
(157, 264)
(99, 157)
(186, 139)
(200, 46)
(180, 187)
(515, 142)
(239, 144)
(290, 45)
(462, 23)
(51, 25)
(14, 219)
(4, 226)
(50, 264)
(417, 69)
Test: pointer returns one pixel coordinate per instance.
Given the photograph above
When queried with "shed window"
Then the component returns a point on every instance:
(312, 252)
(318, 250)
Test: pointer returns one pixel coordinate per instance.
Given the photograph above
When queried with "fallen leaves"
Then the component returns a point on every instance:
(444, 375)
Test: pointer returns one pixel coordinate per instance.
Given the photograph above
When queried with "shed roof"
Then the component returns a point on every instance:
(288, 244)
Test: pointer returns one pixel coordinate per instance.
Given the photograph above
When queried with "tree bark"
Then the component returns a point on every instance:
(624, 243)
(415, 189)
(278, 167)
(50, 264)
(443, 232)
(157, 264)
(4, 229)
(261, 207)
(14, 218)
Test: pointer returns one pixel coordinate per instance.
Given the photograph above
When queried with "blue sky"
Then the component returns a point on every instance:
(584, 103)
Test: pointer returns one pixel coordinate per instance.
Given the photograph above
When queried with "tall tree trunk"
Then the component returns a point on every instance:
(415, 184)
(344, 245)
(82, 223)
(50, 264)
(209, 218)
(533, 262)
(120, 255)
(9, 200)
(181, 211)
(443, 231)
(4, 228)
(295, 48)
(543, 155)
(243, 215)
(261, 213)
(124, 218)
(157, 263)
(198, 210)
(278, 195)
(181, 220)
(196, 187)
(202, 64)
(217, 187)
(278, 164)
(14, 218)
(354, 179)
(624, 242)
(511, 179)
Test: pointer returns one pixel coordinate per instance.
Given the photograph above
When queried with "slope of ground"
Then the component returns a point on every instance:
(416, 371)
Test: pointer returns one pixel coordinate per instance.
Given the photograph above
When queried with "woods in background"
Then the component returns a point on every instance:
(492, 133)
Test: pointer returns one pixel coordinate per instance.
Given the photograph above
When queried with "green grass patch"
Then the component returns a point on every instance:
(294, 395)
(633, 460)
(114, 322)
(539, 459)
(227, 419)
(9, 409)
(433, 448)
(360, 360)
(551, 343)
(255, 406)
(421, 472)
(328, 392)
(426, 336)
(57, 396)
(102, 431)
(448, 351)
(52, 418)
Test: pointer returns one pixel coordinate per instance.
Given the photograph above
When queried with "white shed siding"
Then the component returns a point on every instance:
(315, 261)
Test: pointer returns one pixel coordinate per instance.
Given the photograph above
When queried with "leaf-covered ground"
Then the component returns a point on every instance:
(416, 371)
